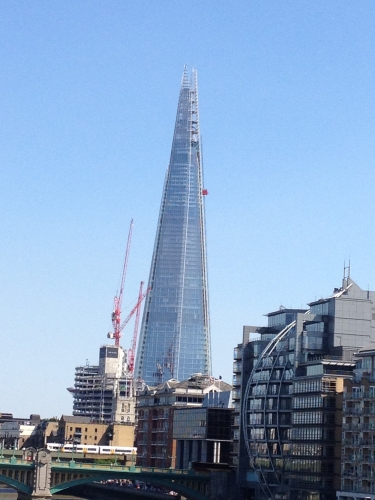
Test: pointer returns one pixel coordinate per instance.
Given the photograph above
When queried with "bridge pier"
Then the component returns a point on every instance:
(42, 476)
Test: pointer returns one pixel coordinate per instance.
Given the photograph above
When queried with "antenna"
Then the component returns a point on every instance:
(346, 274)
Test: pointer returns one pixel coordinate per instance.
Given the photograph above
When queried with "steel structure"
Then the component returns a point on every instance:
(131, 351)
(116, 313)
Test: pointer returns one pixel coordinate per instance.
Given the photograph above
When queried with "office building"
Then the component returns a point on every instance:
(175, 335)
(292, 403)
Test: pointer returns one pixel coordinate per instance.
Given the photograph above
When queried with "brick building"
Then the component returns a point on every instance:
(156, 405)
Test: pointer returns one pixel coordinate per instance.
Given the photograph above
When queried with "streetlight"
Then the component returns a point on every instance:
(72, 462)
(132, 465)
(58, 453)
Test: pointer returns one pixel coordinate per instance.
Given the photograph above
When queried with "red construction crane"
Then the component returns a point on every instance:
(139, 302)
(131, 351)
(137, 308)
(116, 314)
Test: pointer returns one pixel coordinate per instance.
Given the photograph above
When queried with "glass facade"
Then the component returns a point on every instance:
(292, 401)
(289, 416)
(175, 336)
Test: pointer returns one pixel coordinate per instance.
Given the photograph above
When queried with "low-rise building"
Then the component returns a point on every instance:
(15, 433)
(80, 430)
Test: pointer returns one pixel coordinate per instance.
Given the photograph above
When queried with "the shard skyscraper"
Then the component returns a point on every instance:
(175, 334)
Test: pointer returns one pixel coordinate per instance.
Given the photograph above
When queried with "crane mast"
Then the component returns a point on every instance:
(131, 351)
(116, 313)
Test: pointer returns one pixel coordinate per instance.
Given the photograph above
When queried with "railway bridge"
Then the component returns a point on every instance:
(37, 476)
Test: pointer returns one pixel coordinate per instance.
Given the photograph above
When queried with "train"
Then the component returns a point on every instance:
(91, 448)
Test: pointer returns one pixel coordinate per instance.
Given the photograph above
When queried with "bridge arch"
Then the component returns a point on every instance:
(17, 485)
(184, 490)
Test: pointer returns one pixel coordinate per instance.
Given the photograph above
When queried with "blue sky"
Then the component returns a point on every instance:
(88, 94)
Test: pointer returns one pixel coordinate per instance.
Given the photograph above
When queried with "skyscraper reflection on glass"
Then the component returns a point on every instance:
(175, 335)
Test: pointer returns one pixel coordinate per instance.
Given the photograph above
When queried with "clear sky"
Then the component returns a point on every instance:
(88, 95)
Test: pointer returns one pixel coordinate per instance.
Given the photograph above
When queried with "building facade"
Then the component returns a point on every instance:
(82, 431)
(15, 433)
(175, 334)
(292, 404)
(202, 435)
(358, 430)
(156, 405)
(104, 393)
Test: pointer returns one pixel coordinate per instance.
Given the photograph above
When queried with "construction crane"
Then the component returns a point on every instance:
(131, 351)
(136, 308)
(116, 313)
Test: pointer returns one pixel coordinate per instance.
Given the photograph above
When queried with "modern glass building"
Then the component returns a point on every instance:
(175, 335)
(293, 375)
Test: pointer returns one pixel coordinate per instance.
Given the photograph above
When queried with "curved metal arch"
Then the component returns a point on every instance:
(17, 485)
(179, 488)
(258, 367)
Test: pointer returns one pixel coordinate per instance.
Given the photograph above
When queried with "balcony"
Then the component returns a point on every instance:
(356, 489)
(352, 411)
(237, 380)
(351, 427)
(236, 395)
(237, 353)
(237, 367)
(359, 396)
(354, 458)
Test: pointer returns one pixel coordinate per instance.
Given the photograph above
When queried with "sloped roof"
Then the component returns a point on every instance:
(196, 381)
(75, 420)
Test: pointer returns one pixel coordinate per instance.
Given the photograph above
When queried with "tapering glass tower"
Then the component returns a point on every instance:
(175, 334)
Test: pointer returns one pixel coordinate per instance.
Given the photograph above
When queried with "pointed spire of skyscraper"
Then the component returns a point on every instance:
(185, 78)
(175, 333)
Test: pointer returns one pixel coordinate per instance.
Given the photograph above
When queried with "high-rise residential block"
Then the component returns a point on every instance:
(293, 375)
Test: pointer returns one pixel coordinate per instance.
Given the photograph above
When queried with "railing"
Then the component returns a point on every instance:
(364, 474)
(237, 353)
(358, 442)
(352, 411)
(352, 458)
(350, 396)
(237, 380)
(356, 489)
(123, 468)
(15, 460)
(237, 367)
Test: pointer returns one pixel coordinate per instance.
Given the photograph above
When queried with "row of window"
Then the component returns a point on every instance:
(307, 386)
(308, 402)
(307, 417)
(275, 389)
